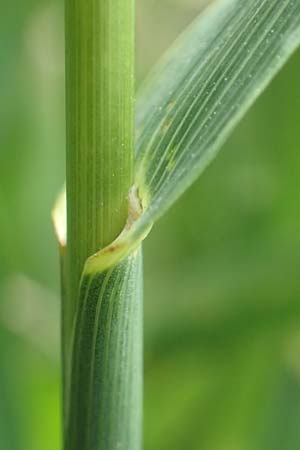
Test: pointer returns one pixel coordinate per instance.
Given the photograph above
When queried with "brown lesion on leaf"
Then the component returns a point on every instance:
(112, 248)
(171, 158)
(166, 125)
(170, 105)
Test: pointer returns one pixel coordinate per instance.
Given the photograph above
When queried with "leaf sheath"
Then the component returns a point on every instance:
(106, 377)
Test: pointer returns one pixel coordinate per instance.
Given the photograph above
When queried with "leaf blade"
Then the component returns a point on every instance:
(226, 59)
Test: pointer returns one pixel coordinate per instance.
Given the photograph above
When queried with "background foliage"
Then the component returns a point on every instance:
(222, 308)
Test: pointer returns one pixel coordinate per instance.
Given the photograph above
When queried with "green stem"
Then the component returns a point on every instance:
(100, 122)
(99, 114)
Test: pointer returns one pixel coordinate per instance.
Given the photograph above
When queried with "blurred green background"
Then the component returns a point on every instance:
(222, 289)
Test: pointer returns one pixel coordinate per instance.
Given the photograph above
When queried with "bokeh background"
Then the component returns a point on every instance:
(222, 288)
